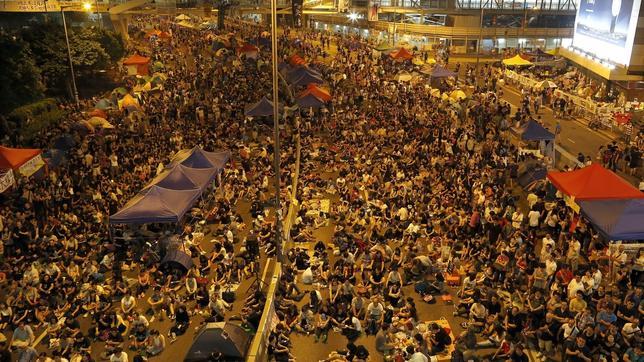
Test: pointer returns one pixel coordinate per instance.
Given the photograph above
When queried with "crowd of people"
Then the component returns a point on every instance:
(415, 190)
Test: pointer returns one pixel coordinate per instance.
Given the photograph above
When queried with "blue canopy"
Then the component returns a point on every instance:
(156, 204)
(616, 219)
(440, 72)
(533, 131)
(306, 79)
(181, 177)
(262, 108)
(200, 159)
(294, 73)
(310, 101)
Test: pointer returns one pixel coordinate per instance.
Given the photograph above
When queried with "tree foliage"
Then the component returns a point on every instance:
(20, 79)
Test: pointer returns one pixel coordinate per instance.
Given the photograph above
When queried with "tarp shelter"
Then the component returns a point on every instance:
(24, 160)
(263, 108)
(401, 54)
(440, 72)
(6, 180)
(137, 65)
(593, 182)
(307, 79)
(309, 101)
(248, 50)
(319, 92)
(616, 219)
(180, 177)
(156, 204)
(198, 158)
(231, 340)
(516, 60)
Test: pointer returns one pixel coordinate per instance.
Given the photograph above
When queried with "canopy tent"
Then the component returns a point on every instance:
(310, 101)
(198, 158)
(262, 108)
(516, 60)
(319, 92)
(401, 54)
(592, 183)
(6, 180)
(156, 204)
(229, 340)
(182, 17)
(307, 79)
(533, 131)
(181, 177)
(99, 122)
(616, 219)
(546, 84)
(137, 65)
(293, 73)
(441, 72)
(25, 160)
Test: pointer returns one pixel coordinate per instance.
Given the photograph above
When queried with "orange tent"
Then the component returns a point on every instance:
(401, 54)
(593, 182)
(317, 91)
(137, 65)
(25, 160)
(296, 60)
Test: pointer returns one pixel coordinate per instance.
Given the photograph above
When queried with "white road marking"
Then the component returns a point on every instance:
(571, 140)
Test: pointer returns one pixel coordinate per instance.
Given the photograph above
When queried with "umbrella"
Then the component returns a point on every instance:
(103, 104)
(98, 122)
(458, 95)
(547, 84)
(310, 101)
(120, 91)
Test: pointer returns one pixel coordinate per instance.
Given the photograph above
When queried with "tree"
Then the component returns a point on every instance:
(20, 78)
(87, 54)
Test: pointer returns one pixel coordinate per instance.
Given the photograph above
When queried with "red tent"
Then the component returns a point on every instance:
(401, 54)
(137, 65)
(13, 158)
(593, 182)
(318, 92)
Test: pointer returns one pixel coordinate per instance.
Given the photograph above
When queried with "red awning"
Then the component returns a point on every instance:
(136, 60)
(593, 182)
(13, 158)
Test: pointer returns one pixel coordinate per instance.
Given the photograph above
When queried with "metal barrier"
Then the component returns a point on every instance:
(258, 350)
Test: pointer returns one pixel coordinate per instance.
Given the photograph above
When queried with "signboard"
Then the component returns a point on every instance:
(37, 6)
(372, 14)
(606, 28)
(297, 13)
(31, 166)
(6, 180)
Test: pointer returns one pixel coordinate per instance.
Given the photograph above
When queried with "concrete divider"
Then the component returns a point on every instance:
(258, 350)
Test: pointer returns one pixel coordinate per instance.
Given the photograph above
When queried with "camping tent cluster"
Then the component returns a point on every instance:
(612, 205)
(18, 161)
(168, 197)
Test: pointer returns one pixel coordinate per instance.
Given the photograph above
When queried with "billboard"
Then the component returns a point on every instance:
(606, 28)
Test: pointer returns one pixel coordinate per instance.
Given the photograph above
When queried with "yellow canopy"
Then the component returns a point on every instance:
(516, 61)
(99, 122)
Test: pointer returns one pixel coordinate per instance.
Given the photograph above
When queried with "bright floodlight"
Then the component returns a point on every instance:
(87, 6)
(353, 16)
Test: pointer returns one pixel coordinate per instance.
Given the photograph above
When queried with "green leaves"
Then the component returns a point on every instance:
(20, 78)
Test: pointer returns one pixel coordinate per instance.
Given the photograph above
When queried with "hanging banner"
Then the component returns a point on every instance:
(372, 13)
(6, 180)
(297, 13)
(31, 166)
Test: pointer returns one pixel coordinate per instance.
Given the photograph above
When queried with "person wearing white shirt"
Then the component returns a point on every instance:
(307, 276)
(517, 219)
(533, 218)
(574, 286)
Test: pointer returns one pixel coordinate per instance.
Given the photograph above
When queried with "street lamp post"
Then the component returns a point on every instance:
(276, 134)
(478, 44)
(69, 56)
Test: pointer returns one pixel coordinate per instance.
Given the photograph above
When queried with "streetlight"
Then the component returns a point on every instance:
(69, 53)
(276, 134)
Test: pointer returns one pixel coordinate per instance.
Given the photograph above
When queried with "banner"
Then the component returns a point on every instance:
(31, 166)
(372, 13)
(6, 180)
(297, 13)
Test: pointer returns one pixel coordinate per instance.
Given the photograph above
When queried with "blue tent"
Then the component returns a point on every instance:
(262, 108)
(306, 79)
(294, 73)
(616, 219)
(181, 177)
(200, 159)
(310, 101)
(156, 204)
(440, 72)
(533, 131)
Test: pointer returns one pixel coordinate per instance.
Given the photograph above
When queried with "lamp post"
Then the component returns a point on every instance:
(276, 134)
(69, 55)
(478, 44)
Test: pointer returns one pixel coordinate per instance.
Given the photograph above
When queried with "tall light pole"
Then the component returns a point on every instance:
(69, 56)
(276, 134)
(478, 44)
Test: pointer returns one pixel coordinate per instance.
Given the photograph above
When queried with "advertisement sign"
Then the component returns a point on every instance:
(6, 180)
(606, 28)
(297, 13)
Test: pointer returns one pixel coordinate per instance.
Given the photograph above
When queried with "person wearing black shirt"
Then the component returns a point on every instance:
(577, 351)
(439, 339)
(518, 355)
